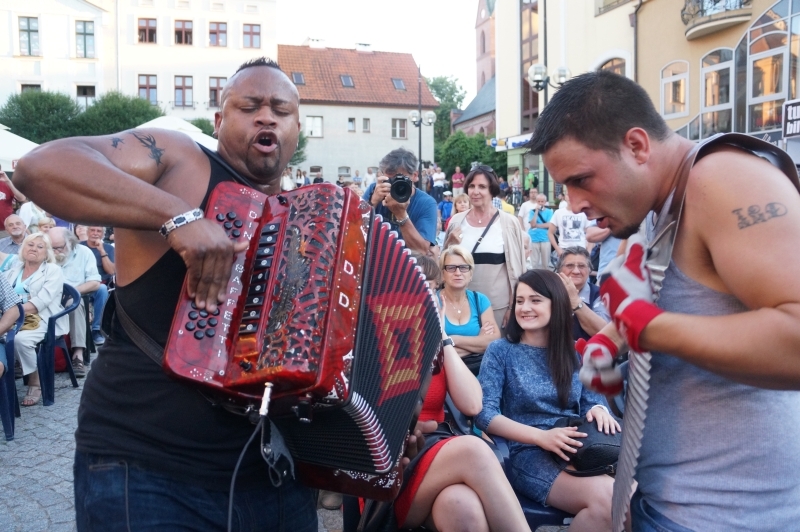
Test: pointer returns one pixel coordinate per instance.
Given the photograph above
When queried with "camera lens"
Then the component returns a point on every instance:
(401, 189)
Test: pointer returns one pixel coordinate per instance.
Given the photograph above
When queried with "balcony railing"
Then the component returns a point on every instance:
(694, 9)
(704, 17)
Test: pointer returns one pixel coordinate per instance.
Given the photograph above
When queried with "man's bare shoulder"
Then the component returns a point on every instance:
(147, 149)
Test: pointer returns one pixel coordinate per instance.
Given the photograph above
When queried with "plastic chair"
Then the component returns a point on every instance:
(45, 355)
(90, 347)
(9, 402)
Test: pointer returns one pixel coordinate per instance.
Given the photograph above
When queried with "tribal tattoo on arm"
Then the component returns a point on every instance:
(149, 142)
(116, 141)
(755, 215)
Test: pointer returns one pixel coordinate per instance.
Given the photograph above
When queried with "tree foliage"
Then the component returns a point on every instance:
(205, 125)
(450, 96)
(299, 156)
(40, 116)
(461, 150)
(115, 112)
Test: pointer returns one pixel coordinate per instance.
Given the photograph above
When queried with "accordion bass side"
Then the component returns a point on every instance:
(327, 305)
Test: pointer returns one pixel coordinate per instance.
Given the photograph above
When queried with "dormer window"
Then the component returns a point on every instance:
(398, 84)
(347, 81)
(298, 78)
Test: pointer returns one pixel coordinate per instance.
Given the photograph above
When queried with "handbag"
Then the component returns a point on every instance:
(600, 451)
(31, 322)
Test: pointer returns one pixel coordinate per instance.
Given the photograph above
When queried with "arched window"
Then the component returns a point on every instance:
(616, 65)
(716, 101)
(483, 43)
(674, 84)
(767, 67)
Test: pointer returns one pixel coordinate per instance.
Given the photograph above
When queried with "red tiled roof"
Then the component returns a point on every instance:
(372, 74)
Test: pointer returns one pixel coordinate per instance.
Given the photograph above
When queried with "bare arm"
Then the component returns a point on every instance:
(728, 242)
(462, 385)
(19, 196)
(595, 235)
(88, 286)
(9, 319)
(551, 234)
(108, 266)
(135, 180)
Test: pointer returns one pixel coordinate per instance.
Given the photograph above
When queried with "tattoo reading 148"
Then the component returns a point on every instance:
(755, 215)
(149, 142)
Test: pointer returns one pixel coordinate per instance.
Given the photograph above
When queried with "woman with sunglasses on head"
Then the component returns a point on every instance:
(533, 374)
(469, 319)
(494, 238)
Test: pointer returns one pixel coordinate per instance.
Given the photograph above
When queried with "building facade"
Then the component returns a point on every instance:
(177, 54)
(580, 36)
(729, 66)
(354, 106)
(484, 43)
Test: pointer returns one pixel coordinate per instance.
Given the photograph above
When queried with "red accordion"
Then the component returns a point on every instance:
(327, 305)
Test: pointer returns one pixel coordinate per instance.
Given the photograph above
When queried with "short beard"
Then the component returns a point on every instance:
(61, 259)
(626, 232)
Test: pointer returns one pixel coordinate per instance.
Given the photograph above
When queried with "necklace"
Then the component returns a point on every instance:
(460, 304)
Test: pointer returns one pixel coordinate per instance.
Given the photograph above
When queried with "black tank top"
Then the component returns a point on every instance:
(131, 409)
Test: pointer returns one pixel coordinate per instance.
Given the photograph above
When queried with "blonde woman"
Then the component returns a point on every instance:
(39, 282)
(460, 204)
(469, 319)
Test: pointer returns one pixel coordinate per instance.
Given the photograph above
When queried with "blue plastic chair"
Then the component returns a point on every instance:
(9, 402)
(46, 354)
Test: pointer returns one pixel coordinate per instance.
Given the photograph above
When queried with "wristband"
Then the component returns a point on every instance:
(103, 256)
(179, 221)
(601, 406)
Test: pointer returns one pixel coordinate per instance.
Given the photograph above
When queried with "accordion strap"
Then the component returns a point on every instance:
(141, 339)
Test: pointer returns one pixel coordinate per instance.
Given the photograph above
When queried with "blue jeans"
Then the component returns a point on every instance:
(644, 518)
(113, 494)
(100, 297)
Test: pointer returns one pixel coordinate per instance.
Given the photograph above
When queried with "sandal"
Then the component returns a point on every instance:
(33, 396)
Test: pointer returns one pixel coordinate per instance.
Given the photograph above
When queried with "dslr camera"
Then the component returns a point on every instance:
(401, 188)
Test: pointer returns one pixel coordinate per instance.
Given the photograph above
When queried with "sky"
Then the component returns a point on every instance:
(440, 34)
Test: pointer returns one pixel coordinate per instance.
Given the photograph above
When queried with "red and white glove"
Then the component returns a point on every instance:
(599, 373)
(628, 293)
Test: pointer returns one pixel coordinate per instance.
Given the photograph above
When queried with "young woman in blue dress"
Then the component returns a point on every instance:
(529, 381)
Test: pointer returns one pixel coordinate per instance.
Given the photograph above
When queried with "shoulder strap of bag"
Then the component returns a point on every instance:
(478, 308)
(478, 243)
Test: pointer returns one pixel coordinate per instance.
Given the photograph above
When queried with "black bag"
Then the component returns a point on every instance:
(600, 451)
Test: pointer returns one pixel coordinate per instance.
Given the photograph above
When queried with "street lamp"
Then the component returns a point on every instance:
(416, 117)
(540, 81)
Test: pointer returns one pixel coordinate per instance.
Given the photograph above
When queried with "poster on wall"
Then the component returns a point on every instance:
(791, 119)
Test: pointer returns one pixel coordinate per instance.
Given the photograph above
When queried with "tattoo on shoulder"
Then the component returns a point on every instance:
(754, 215)
(149, 142)
(116, 141)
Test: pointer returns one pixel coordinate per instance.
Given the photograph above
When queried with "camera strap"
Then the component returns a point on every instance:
(478, 243)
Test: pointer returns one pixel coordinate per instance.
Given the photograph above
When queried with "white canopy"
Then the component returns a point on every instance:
(174, 123)
(12, 148)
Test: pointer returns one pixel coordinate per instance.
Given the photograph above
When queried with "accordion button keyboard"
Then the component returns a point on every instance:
(201, 324)
(236, 233)
(251, 315)
(199, 335)
(238, 224)
(203, 313)
(254, 301)
(231, 215)
(228, 226)
(220, 217)
(212, 322)
(216, 312)
(210, 333)
(259, 277)
(193, 315)
(190, 326)
(268, 240)
(265, 252)
(270, 228)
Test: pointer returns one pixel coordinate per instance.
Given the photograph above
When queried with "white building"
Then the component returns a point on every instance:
(176, 53)
(354, 106)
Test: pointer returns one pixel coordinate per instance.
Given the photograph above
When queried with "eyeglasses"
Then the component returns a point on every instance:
(572, 266)
(483, 168)
(463, 268)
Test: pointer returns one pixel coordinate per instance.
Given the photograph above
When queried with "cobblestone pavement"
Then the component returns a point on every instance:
(36, 467)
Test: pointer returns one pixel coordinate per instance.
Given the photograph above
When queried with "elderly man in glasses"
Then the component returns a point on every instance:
(589, 315)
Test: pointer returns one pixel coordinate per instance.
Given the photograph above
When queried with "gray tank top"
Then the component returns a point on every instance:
(717, 455)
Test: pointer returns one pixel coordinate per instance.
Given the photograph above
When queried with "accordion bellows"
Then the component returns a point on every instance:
(328, 306)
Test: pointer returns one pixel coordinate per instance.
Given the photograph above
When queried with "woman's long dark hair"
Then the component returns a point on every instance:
(561, 358)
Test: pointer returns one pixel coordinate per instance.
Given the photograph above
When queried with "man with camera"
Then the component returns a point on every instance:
(410, 211)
